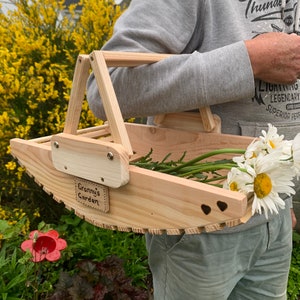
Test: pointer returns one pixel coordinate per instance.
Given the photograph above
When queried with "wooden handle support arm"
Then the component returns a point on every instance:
(127, 59)
(100, 61)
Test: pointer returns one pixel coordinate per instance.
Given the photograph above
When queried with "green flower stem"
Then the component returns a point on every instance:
(205, 165)
(211, 168)
(215, 179)
(204, 156)
(195, 169)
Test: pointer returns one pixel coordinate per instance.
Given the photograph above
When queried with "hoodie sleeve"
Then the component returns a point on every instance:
(185, 81)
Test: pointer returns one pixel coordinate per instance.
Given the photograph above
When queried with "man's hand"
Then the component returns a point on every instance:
(275, 57)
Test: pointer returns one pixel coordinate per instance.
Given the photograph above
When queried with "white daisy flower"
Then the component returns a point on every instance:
(239, 181)
(270, 179)
(250, 154)
(286, 151)
(271, 139)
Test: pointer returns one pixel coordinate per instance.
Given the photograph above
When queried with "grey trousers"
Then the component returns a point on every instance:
(249, 265)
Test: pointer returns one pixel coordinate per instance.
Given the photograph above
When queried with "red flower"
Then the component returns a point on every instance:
(44, 245)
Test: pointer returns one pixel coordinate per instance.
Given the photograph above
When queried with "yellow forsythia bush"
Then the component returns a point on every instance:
(39, 44)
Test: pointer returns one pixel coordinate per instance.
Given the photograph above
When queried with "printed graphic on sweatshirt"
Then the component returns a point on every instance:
(280, 101)
(270, 15)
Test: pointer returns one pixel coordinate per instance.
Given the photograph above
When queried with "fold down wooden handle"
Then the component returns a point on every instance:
(131, 59)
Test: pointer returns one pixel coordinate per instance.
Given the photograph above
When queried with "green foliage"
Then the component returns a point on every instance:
(39, 45)
(87, 241)
(294, 275)
(14, 222)
(125, 253)
(21, 278)
(13, 274)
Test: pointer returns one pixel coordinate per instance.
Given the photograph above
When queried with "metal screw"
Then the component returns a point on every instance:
(56, 144)
(110, 155)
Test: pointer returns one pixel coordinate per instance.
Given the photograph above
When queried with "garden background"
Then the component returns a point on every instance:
(39, 45)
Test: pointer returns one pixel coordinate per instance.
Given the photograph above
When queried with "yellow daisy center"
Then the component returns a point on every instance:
(262, 185)
(272, 144)
(233, 186)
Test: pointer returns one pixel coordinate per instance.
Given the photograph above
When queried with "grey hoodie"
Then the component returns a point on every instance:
(213, 67)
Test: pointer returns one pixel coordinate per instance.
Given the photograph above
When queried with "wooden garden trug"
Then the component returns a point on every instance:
(89, 170)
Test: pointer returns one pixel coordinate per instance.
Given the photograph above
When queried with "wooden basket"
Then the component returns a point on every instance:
(89, 170)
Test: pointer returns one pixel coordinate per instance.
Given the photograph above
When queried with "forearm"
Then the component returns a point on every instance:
(182, 82)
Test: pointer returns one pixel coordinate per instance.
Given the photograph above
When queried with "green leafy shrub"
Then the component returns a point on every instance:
(87, 241)
(13, 274)
(89, 248)
(39, 45)
(14, 223)
(294, 275)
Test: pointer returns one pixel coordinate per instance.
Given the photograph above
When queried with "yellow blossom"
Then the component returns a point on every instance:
(38, 50)
(36, 214)
(11, 165)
